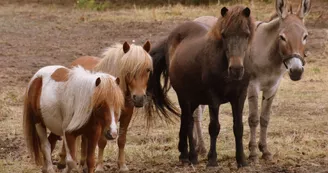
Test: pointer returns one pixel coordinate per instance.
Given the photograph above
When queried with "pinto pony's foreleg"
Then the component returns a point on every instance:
(124, 124)
(92, 140)
(62, 157)
(101, 147)
(253, 119)
(267, 100)
(198, 133)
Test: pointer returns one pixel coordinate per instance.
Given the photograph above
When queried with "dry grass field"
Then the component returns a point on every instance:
(33, 36)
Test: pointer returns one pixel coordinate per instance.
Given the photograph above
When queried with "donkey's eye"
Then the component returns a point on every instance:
(282, 38)
(305, 37)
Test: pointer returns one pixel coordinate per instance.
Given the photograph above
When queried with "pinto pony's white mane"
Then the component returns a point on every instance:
(117, 63)
(81, 95)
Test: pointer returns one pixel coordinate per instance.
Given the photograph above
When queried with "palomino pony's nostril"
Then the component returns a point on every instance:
(134, 97)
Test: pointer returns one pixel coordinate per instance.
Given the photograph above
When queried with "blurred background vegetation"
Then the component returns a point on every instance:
(110, 4)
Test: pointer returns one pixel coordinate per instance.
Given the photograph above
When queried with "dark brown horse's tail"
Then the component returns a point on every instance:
(31, 137)
(158, 93)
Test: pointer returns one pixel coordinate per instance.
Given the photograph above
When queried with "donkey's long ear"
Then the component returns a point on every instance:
(126, 47)
(117, 80)
(98, 81)
(147, 46)
(304, 8)
(281, 8)
(224, 11)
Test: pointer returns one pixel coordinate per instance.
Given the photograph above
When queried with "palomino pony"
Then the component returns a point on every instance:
(204, 66)
(132, 64)
(69, 103)
(277, 48)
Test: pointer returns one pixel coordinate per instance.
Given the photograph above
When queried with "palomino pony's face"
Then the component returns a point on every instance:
(292, 38)
(236, 32)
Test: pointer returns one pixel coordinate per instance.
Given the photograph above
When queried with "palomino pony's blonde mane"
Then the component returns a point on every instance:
(117, 63)
(81, 95)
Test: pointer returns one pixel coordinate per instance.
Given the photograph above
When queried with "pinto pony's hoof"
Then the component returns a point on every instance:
(100, 168)
(124, 168)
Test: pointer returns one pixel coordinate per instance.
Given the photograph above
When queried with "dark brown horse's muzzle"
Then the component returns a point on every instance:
(236, 72)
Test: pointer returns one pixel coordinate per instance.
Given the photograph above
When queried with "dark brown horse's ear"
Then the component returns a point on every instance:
(126, 47)
(117, 80)
(246, 12)
(147, 46)
(224, 11)
(98, 81)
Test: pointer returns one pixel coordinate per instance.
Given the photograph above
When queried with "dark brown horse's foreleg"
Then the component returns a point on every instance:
(101, 147)
(214, 130)
(124, 123)
(238, 129)
(93, 138)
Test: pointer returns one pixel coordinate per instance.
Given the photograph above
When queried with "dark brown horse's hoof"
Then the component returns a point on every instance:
(61, 166)
(212, 164)
(243, 164)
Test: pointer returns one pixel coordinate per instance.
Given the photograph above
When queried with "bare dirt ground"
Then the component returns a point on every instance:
(33, 36)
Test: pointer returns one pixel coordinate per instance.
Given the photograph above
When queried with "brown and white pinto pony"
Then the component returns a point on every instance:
(69, 103)
(277, 48)
(132, 64)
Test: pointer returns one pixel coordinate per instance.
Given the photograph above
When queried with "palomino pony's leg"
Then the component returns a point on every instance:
(214, 130)
(253, 119)
(45, 148)
(101, 147)
(70, 145)
(238, 128)
(268, 97)
(198, 133)
(124, 124)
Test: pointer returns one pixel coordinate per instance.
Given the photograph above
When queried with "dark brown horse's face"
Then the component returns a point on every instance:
(292, 38)
(137, 86)
(236, 35)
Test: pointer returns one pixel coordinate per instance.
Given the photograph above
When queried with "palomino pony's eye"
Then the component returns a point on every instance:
(148, 70)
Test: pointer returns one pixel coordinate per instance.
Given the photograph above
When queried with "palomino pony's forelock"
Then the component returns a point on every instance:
(117, 63)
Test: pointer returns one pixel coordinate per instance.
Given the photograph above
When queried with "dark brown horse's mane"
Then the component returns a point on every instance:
(234, 20)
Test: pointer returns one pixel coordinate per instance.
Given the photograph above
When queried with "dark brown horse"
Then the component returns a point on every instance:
(205, 66)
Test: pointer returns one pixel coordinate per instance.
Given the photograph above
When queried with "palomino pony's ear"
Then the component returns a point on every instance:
(126, 47)
(147, 46)
(224, 11)
(98, 81)
(246, 12)
(117, 80)
(281, 8)
(304, 8)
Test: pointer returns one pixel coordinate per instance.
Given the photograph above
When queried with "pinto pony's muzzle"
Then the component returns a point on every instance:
(111, 134)
(295, 65)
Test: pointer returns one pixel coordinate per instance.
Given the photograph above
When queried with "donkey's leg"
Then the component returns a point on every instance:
(93, 139)
(198, 133)
(101, 147)
(214, 130)
(70, 145)
(267, 100)
(45, 148)
(124, 123)
(238, 128)
(62, 158)
(253, 119)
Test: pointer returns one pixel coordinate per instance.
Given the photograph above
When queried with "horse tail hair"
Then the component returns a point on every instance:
(30, 134)
(158, 94)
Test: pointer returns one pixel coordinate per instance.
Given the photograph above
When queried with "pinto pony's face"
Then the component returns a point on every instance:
(292, 37)
(235, 28)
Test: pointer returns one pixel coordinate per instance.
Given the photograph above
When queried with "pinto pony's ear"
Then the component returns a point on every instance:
(117, 80)
(98, 81)
(147, 46)
(304, 8)
(246, 12)
(224, 11)
(281, 8)
(126, 47)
